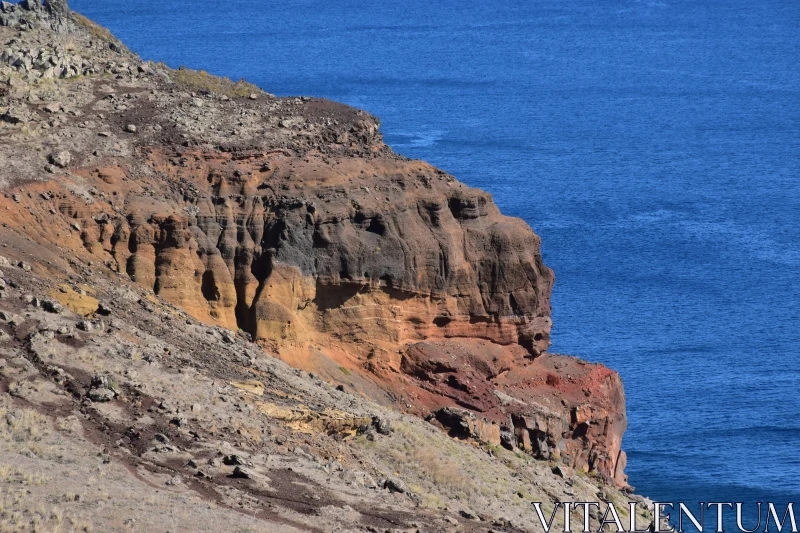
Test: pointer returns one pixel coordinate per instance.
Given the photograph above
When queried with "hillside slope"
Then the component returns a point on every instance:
(171, 240)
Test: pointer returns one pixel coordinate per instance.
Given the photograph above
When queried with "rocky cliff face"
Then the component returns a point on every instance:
(370, 250)
(290, 220)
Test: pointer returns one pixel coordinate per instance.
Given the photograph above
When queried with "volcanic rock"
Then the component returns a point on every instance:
(60, 159)
(251, 257)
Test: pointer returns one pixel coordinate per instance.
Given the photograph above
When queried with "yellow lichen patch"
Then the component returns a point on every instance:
(252, 386)
(279, 412)
(301, 418)
(82, 304)
(284, 394)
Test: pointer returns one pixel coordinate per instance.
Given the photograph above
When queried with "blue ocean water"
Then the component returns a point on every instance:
(655, 147)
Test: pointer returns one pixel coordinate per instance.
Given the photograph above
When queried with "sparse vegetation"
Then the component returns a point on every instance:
(116, 424)
(200, 80)
(413, 457)
(20, 431)
(19, 515)
(95, 29)
(22, 425)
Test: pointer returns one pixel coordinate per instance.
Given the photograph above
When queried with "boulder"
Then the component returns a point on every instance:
(57, 6)
(60, 159)
(463, 424)
(234, 460)
(52, 307)
(100, 394)
(395, 485)
(563, 472)
(16, 114)
(381, 425)
(31, 5)
(240, 473)
(90, 325)
(11, 318)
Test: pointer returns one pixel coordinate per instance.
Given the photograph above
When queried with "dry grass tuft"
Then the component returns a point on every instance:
(413, 457)
(22, 425)
(14, 476)
(200, 80)
(19, 515)
(94, 28)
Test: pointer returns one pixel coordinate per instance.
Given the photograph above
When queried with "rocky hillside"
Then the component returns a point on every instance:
(244, 309)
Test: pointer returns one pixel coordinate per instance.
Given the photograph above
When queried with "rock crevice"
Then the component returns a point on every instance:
(269, 264)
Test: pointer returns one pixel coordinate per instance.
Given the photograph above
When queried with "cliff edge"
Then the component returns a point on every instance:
(287, 228)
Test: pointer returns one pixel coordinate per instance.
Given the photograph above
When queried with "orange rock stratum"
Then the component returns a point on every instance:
(290, 220)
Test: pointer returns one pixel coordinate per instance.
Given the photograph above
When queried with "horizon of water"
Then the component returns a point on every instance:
(655, 147)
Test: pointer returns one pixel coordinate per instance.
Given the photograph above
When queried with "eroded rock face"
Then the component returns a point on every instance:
(443, 304)
(34, 14)
(554, 407)
(298, 251)
(289, 219)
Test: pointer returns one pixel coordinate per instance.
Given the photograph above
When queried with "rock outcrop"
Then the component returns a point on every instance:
(33, 14)
(379, 250)
(289, 220)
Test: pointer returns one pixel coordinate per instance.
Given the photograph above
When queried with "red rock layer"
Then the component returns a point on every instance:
(346, 260)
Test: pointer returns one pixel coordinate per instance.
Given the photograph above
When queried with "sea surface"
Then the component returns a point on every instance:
(655, 147)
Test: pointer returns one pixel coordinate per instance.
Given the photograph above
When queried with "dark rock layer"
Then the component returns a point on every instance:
(291, 220)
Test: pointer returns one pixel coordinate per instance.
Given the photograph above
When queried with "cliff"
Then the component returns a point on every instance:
(288, 223)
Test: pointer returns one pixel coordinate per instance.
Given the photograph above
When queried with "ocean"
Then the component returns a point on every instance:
(655, 147)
